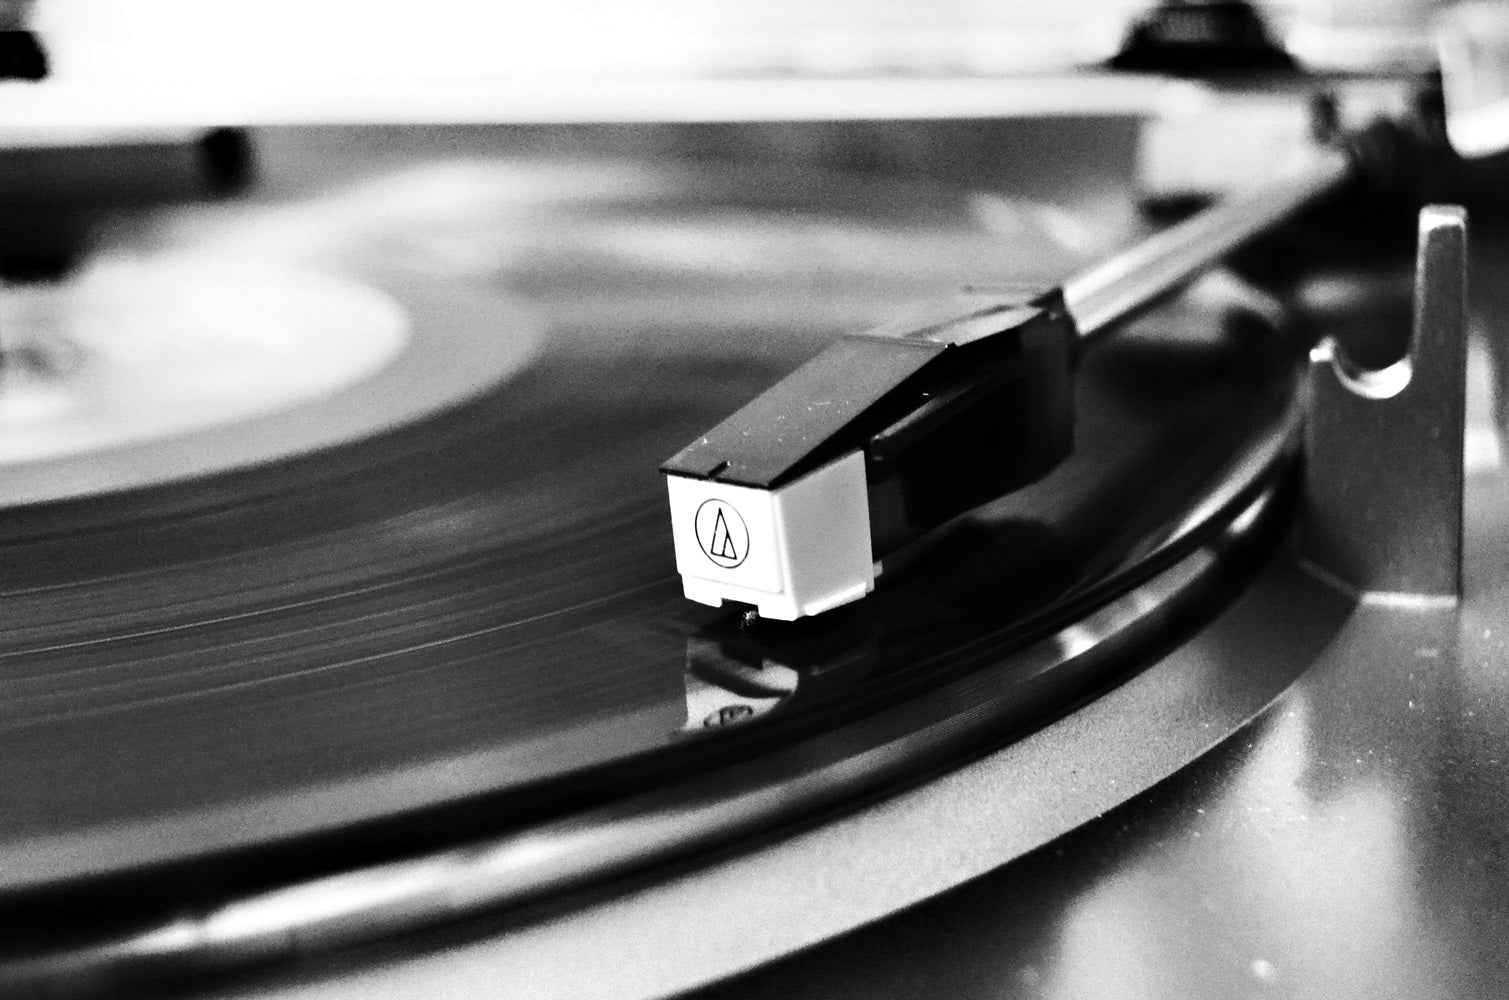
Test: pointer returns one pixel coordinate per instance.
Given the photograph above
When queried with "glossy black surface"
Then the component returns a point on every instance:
(477, 608)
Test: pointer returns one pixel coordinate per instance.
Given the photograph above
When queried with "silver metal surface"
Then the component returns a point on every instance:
(1384, 475)
(1134, 279)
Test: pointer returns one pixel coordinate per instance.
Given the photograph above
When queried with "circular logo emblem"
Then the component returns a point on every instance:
(721, 534)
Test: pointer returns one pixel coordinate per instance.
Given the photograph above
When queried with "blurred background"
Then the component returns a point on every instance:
(279, 41)
(308, 58)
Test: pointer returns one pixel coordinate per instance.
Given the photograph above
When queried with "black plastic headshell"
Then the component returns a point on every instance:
(951, 407)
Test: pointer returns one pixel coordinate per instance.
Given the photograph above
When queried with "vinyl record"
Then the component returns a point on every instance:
(461, 619)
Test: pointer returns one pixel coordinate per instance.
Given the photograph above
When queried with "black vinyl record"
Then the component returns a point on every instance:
(469, 622)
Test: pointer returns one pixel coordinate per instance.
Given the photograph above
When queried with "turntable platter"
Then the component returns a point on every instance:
(476, 613)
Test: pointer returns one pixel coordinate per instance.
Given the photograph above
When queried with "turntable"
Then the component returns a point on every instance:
(346, 644)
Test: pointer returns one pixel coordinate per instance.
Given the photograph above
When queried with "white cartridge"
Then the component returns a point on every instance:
(794, 551)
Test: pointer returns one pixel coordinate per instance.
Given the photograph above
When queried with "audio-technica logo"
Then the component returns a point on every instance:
(721, 534)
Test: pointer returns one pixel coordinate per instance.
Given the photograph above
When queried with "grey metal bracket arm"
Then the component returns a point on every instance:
(1384, 448)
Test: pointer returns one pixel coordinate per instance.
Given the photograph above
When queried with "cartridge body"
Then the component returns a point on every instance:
(789, 503)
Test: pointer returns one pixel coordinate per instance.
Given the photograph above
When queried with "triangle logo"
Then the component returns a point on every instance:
(721, 533)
